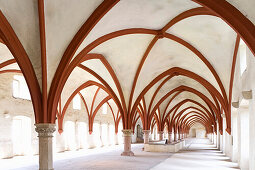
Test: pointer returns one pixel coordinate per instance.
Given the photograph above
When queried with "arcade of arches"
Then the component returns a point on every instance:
(81, 74)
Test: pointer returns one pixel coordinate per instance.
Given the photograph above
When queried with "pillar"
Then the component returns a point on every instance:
(77, 139)
(45, 134)
(160, 133)
(179, 136)
(90, 140)
(127, 134)
(116, 138)
(218, 136)
(169, 137)
(252, 133)
(150, 136)
(175, 137)
(146, 136)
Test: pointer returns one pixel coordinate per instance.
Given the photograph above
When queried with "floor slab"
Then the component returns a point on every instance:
(198, 154)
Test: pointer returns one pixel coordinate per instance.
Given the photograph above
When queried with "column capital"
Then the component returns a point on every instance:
(127, 132)
(146, 131)
(160, 132)
(247, 94)
(45, 129)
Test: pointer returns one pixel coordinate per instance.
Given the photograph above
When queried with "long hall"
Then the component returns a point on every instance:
(198, 153)
(147, 82)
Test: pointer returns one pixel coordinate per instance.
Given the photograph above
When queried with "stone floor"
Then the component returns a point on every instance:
(198, 154)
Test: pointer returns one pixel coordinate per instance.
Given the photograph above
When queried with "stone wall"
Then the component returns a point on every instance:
(197, 131)
(76, 136)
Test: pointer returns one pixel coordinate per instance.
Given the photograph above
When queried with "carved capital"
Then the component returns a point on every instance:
(127, 132)
(247, 94)
(235, 104)
(45, 129)
(146, 131)
(160, 132)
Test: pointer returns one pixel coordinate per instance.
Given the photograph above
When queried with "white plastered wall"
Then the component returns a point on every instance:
(243, 116)
(11, 107)
(197, 131)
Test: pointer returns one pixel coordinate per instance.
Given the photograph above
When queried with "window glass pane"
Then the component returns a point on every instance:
(15, 88)
(242, 53)
(77, 102)
(20, 89)
(105, 109)
(24, 92)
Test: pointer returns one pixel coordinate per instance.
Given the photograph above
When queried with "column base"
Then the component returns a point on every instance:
(129, 153)
(169, 142)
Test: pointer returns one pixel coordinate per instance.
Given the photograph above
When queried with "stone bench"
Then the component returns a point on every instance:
(161, 147)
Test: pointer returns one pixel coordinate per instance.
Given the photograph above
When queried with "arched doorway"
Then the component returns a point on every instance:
(139, 133)
(21, 133)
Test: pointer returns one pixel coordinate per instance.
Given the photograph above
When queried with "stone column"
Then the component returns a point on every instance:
(45, 134)
(127, 134)
(150, 136)
(160, 133)
(169, 137)
(175, 137)
(146, 136)
(90, 140)
(116, 139)
(77, 139)
(179, 136)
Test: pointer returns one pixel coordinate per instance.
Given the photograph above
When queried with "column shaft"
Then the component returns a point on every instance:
(127, 134)
(169, 137)
(116, 139)
(146, 136)
(160, 133)
(45, 134)
(175, 137)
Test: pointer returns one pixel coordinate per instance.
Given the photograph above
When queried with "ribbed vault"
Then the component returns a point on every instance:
(169, 63)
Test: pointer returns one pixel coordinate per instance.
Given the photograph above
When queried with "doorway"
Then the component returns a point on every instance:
(21, 134)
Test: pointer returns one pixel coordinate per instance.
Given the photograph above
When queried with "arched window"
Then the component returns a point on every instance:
(21, 135)
(19, 88)
(242, 54)
(104, 109)
(77, 102)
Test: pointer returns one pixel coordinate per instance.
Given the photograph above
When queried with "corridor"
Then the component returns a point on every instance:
(198, 154)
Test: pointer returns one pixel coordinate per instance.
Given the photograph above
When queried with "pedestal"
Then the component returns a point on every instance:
(45, 134)
(160, 133)
(127, 134)
(146, 136)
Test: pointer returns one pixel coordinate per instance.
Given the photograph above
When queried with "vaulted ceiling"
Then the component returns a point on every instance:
(151, 53)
